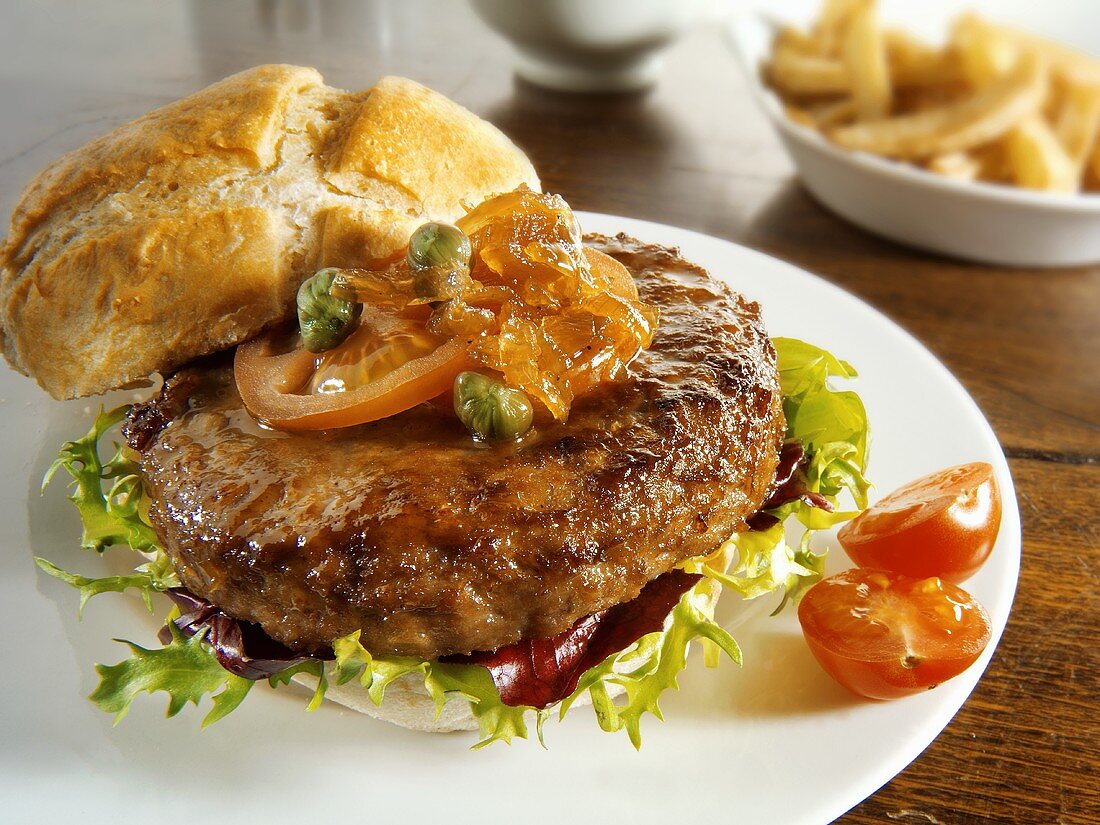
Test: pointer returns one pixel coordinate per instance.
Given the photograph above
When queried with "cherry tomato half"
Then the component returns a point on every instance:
(884, 635)
(944, 524)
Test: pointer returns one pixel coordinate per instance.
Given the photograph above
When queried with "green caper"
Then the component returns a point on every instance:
(490, 410)
(324, 319)
(437, 244)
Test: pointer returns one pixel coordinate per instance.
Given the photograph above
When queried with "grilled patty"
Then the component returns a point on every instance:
(431, 544)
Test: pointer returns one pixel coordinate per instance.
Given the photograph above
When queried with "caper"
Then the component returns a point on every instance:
(490, 410)
(324, 319)
(437, 244)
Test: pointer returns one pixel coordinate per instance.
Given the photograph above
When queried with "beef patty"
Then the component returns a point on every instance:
(431, 544)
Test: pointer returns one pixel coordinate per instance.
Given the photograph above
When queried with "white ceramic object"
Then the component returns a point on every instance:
(981, 222)
(775, 741)
(590, 45)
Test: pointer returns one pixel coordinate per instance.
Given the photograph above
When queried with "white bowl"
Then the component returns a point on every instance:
(981, 222)
(590, 45)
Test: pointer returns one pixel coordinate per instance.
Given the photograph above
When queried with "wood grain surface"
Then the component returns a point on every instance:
(695, 152)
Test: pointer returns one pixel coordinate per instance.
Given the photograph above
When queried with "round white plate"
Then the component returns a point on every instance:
(773, 742)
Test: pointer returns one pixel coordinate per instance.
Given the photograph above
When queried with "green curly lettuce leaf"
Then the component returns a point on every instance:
(186, 669)
(111, 502)
(649, 667)
(830, 424)
(313, 668)
(765, 564)
(114, 516)
(155, 576)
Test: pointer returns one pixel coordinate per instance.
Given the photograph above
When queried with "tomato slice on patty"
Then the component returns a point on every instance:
(388, 365)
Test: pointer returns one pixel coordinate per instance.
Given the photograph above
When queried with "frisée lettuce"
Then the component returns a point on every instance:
(830, 425)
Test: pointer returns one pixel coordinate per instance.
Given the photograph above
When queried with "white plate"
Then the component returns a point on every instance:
(773, 742)
(977, 221)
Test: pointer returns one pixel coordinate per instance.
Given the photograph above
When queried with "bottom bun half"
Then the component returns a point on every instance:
(408, 705)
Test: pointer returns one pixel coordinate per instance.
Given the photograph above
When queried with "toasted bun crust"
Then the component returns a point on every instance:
(190, 229)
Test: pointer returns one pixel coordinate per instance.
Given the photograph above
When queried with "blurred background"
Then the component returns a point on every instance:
(70, 71)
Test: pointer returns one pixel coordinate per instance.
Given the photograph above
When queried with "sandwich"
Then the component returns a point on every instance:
(418, 442)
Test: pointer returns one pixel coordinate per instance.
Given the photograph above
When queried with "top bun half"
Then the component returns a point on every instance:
(190, 229)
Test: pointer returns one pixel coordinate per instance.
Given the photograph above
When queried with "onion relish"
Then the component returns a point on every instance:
(550, 318)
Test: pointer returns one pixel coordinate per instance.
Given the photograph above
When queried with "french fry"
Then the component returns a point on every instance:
(979, 118)
(992, 162)
(1077, 120)
(800, 74)
(1065, 63)
(800, 116)
(795, 40)
(865, 59)
(1091, 176)
(1093, 170)
(921, 98)
(956, 165)
(984, 53)
(823, 114)
(1056, 99)
(833, 22)
(831, 113)
(1037, 158)
(914, 64)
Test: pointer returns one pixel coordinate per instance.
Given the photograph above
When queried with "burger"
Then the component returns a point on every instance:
(418, 442)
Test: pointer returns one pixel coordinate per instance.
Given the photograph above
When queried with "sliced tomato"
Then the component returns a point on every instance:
(944, 524)
(884, 635)
(388, 365)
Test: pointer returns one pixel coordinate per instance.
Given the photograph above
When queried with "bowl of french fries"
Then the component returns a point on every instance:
(982, 145)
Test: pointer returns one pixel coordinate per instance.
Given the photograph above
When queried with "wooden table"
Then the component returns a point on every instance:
(695, 153)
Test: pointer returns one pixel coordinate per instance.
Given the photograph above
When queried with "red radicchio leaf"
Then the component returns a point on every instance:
(789, 485)
(540, 672)
(241, 647)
